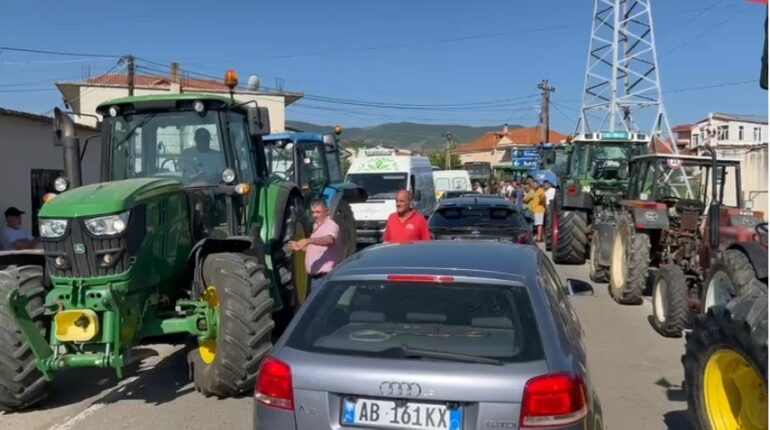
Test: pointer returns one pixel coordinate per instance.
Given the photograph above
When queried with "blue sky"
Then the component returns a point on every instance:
(423, 52)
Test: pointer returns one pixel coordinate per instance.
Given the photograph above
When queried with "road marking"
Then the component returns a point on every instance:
(113, 394)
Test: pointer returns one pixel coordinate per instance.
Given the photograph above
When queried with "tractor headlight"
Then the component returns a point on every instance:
(108, 225)
(52, 228)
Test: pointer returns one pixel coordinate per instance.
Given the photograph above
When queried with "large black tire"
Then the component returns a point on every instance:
(670, 301)
(629, 266)
(21, 383)
(294, 284)
(572, 239)
(597, 273)
(731, 272)
(735, 333)
(245, 325)
(347, 224)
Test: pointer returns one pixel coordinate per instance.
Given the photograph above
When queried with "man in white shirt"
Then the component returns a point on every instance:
(14, 235)
(550, 193)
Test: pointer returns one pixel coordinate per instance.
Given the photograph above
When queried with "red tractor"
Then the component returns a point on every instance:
(684, 218)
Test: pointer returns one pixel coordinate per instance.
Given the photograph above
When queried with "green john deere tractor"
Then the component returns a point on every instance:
(584, 210)
(185, 235)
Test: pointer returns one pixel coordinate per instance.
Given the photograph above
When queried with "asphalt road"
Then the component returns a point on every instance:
(637, 373)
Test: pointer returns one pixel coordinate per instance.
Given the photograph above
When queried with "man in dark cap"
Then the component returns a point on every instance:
(14, 235)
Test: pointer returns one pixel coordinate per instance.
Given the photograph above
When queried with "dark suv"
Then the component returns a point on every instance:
(482, 217)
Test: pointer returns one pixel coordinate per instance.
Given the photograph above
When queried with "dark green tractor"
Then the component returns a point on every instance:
(187, 234)
(584, 212)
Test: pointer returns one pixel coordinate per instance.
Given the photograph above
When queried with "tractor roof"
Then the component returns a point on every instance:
(161, 101)
(294, 137)
(690, 159)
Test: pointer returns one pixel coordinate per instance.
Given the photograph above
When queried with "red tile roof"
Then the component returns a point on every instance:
(145, 81)
(520, 136)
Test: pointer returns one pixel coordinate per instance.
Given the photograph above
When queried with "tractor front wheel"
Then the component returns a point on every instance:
(629, 266)
(725, 364)
(670, 296)
(570, 246)
(731, 273)
(237, 286)
(289, 265)
(21, 383)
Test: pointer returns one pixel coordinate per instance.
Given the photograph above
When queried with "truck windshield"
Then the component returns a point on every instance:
(603, 160)
(379, 185)
(180, 145)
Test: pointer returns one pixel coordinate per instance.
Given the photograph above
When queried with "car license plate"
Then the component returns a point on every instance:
(387, 414)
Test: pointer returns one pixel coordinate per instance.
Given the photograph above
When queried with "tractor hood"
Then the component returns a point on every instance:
(106, 198)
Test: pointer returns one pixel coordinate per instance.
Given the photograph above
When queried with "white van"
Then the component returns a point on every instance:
(382, 172)
(451, 180)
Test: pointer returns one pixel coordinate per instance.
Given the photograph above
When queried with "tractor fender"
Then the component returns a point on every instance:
(209, 246)
(272, 210)
(757, 254)
(23, 257)
(333, 198)
(576, 200)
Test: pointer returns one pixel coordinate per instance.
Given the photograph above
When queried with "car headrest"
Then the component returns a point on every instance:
(366, 316)
(492, 322)
(425, 318)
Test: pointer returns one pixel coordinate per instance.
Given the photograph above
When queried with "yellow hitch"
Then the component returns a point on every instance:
(76, 325)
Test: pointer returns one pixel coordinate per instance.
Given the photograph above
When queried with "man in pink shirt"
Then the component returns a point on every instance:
(323, 250)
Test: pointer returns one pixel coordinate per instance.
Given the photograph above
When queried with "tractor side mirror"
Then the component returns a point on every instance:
(259, 121)
(576, 287)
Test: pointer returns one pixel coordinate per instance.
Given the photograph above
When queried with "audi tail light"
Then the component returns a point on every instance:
(274, 385)
(524, 238)
(421, 278)
(553, 400)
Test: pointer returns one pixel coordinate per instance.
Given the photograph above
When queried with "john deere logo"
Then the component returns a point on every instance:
(80, 248)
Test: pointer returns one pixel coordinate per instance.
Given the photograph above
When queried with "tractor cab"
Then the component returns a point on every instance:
(310, 160)
(206, 143)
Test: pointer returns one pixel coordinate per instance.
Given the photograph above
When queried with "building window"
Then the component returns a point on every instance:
(740, 132)
(723, 132)
(757, 132)
(695, 139)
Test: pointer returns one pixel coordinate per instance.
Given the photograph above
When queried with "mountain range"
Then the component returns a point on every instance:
(408, 135)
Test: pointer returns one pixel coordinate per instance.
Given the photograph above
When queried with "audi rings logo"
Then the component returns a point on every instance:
(400, 389)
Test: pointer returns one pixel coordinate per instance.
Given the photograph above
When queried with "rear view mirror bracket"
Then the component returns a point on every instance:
(576, 287)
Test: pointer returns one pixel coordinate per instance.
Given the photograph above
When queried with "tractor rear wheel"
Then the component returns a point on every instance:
(629, 266)
(670, 296)
(549, 214)
(347, 224)
(289, 266)
(236, 285)
(725, 364)
(21, 383)
(730, 274)
(570, 246)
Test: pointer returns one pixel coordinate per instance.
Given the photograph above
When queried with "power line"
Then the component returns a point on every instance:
(709, 30)
(62, 53)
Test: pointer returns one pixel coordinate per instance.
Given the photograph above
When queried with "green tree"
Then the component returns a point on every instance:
(438, 158)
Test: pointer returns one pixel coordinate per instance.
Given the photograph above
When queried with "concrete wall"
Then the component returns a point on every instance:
(91, 97)
(27, 144)
(487, 156)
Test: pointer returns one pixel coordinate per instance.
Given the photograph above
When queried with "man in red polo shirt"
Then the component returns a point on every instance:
(405, 225)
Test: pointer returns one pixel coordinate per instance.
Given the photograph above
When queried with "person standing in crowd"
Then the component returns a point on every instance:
(518, 195)
(537, 206)
(405, 225)
(14, 235)
(477, 187)
(323, 248)
(550, 193)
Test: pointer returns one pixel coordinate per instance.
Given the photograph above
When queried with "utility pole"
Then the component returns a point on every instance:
(449, 138)
(131, 72)
(545, 106)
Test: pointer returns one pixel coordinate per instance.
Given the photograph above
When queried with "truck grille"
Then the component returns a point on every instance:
(89, 261)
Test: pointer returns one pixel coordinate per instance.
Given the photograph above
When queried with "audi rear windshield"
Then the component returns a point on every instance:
(379, 318)
(499, 217)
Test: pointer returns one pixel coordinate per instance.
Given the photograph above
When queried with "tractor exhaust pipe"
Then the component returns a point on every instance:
(64, 136)
(714, 206)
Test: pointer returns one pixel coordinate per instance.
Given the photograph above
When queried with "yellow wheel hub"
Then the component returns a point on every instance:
(300, 274)
(208, 348)
(735, 395)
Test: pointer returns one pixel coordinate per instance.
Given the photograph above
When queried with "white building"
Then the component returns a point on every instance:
(739, 137)
(84, 97)
(31, 162)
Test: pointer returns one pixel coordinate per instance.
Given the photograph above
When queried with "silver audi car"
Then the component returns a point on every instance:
(450, 335)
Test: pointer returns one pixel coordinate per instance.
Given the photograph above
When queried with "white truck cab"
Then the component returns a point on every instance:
(451, 180)
(382, 172)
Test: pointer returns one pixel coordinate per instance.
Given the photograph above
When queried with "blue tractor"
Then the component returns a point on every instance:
(313, 162)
